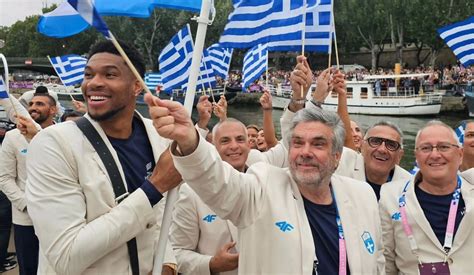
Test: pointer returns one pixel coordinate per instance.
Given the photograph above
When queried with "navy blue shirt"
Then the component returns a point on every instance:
(436, 210)
(376, 187)
(136, 157)
(322, 220)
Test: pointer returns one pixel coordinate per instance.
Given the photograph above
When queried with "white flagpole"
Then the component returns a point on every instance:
(303, 36)
(7, 84)
(172, 195)
(335, 39)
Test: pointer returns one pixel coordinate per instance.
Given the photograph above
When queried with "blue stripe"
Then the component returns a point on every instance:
(458, 34)
(462, 44)
(458, 24)
(464, 53)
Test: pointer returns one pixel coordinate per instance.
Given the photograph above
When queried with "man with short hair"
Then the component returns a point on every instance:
(83, 226)
(295, 221)
(427, 227)
(13, 170)
(468, 147)
(203, 242)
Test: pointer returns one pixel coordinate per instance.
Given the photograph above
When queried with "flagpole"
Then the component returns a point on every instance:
(335, 39)
(330, 51)
(303, 37)
(7, 84)
(129, 63)
(172, 196)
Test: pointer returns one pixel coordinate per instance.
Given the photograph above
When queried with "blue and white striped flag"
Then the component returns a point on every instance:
(207, 75)
(175, 60)
(260, 21)
(255, 63)
(152, 80)
(220, 59)
(460, 38)
(88, 11)
(70, 68)
(318, 29)
(460, 132)
(3, 88)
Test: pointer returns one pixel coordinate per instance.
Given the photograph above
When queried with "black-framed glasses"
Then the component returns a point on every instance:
(391, 145)
(442, 147)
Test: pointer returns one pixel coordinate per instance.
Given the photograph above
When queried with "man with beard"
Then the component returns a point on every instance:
(299, 220)
(42, 109)
(83, 226)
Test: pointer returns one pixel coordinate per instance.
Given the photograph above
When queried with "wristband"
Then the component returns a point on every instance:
(298, 101)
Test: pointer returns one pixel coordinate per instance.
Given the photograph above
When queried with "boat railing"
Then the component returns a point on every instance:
(215, 91)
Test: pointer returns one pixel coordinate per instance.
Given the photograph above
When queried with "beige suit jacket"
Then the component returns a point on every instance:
(266, 195)
(80, 227)
(398, 255)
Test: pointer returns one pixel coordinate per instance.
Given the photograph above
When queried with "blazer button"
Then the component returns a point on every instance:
(148, 226)
(450, 261)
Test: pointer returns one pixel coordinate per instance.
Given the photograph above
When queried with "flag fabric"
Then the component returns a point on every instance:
(62, 22)
(70, 68)
(3, 88)
(220, 59)
(175, 60)
(88, 11)
(460, 132)
(152, 80)
(460, 38)
(190, 5)
(207, 76)
(318, 29)
(255, 63)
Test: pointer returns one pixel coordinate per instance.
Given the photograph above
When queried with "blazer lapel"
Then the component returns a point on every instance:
(465, 228)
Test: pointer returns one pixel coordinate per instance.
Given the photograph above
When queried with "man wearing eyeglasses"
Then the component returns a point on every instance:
(426, 225)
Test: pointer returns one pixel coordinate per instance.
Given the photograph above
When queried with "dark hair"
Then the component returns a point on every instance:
(52, 101)
(71, 113)
(41, 90)
(108, 47)
(253, 126)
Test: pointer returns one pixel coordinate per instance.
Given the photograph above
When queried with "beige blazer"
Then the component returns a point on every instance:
(197, 233)
(80, 227)
(266, 195)
(398, 255)
(13, 174)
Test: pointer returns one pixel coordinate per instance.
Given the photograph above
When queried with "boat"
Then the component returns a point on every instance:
(362, 99)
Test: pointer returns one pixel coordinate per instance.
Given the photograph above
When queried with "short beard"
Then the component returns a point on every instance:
(41, 118)
(107, 115)
(314, 180)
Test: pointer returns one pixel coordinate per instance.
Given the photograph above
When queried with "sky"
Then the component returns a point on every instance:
(14, 10)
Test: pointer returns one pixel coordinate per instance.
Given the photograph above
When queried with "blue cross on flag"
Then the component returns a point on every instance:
(255, 63)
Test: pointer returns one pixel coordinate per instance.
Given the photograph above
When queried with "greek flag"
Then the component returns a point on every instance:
(460, 38)
(220, 59)
(207, 76)
(175, 60)
(318, 29)
(260, 21)
(3, 88)
(87, 10)
(152, 80)
(70, 68)
(255, 63)
(460, 132)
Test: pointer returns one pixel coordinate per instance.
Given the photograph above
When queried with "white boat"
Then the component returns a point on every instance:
(362, 99)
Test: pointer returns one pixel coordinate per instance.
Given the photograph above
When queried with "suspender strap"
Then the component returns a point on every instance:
(117, 183)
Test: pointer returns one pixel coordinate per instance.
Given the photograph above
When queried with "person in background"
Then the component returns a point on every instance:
(268, 126)
(252, 131)
(426, 221)
(261, 142)
(357, 135)
(71, 115)
(468, 146)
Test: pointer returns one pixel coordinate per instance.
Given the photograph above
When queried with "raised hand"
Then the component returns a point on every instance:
(224, 260)
(339, 83)
(301, 76)
(323, 86)
(266, 100)
(204, 108)
(220, 108)
(171, 120)
(79, 106)
(27, 127)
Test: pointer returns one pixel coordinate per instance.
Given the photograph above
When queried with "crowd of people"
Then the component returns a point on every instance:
(87, 196)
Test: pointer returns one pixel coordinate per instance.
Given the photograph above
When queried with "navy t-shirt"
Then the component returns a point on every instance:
(436, 210)
(136, 157)
(322, 220)
(376, 187)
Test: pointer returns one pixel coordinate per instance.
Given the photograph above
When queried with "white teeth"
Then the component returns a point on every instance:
(97, 98)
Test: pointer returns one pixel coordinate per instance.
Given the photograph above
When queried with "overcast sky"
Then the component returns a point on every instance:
(14, 10)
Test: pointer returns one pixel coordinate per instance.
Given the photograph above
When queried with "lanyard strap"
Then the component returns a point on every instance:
(342, 241)
(453, 209)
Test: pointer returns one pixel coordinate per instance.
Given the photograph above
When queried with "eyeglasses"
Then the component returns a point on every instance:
(442, 147)
(391, 145)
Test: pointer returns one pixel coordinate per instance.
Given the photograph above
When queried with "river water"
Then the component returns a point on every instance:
(252, 114)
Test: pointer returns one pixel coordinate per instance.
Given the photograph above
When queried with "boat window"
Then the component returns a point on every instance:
(363, 92)
(349, 92)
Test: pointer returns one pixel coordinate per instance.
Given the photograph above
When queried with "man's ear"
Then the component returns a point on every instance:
(137, 87)
(53, 110)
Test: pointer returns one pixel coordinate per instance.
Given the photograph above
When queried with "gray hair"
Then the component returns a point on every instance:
(328, 118)
(387, 124)
(228, 120)
(436, 122)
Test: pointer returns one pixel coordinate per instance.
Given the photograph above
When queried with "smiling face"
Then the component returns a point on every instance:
(357, 135)
(252, 134)
(109, 87)
(468, 147)
(261, 143)
(231, 142)
(379, 161)
(436, 166)
(41, 109)
(311, 159)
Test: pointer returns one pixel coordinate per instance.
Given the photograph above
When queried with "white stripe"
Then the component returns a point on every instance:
(463, 49)
(456, 30)
(86, 11)
(466, 58)
(460, 39)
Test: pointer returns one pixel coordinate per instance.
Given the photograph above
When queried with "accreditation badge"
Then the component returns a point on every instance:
(439, 268)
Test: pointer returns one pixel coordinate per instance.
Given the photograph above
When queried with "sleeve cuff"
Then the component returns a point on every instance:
(153, 195)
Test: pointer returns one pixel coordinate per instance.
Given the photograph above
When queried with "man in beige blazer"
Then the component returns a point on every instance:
(418, 210)
(273, 207)
(203, 242)
(82, 228)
